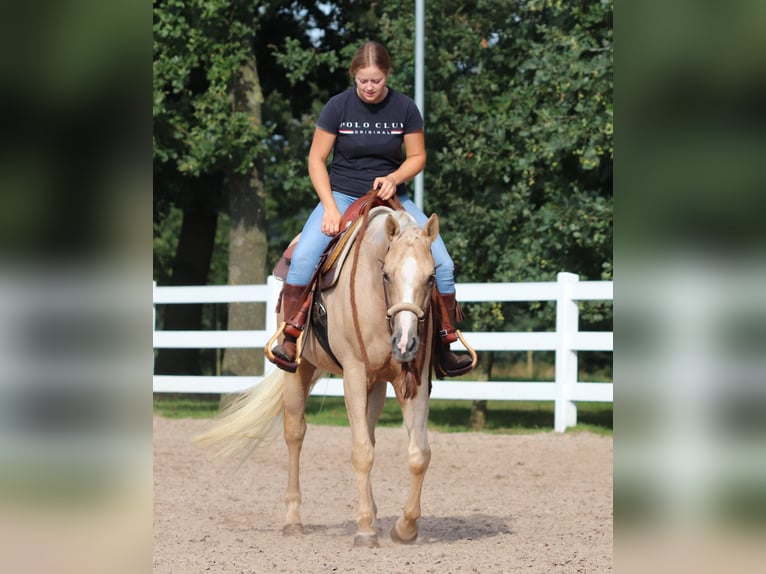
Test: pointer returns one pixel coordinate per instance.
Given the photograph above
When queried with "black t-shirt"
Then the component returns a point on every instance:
(369, 138)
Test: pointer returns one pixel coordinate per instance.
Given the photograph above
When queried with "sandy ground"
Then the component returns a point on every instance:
(539, 503)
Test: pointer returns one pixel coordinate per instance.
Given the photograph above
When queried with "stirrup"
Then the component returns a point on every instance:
(440, 368)
(278, 361)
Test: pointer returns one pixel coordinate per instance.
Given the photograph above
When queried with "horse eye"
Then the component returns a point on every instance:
(431, 279)
(385, 277)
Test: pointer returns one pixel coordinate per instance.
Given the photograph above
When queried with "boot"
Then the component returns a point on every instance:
(295, 319)
(452, 364)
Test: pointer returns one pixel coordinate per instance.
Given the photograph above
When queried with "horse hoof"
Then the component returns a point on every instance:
(399, 540)
(366, 540)
(295, 529)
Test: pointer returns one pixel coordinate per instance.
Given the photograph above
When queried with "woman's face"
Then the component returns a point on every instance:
(371, 84)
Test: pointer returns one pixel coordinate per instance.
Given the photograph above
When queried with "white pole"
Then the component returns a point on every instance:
(419, 65)
(567, 325)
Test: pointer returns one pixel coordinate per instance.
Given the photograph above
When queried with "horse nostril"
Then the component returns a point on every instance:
(413, 344)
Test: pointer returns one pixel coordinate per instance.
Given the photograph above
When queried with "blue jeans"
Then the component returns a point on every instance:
(313, 243)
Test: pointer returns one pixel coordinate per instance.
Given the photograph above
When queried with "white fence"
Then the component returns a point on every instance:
(566, 342)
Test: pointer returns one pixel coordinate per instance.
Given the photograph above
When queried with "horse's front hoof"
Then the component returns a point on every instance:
(399, 540)
(295, 529)
(366, 541)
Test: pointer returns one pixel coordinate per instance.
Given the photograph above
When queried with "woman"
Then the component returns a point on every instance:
(364, 127)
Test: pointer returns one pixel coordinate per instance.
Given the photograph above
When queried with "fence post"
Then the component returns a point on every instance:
(567, 325)
(154, 321)
(275, 287)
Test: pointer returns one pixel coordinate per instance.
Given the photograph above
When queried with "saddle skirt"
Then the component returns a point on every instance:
(333, 258)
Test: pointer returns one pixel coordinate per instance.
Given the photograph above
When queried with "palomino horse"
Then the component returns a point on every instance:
(379, 330)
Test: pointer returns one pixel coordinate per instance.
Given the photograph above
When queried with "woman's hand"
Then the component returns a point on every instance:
(331, 221)
(385, 186)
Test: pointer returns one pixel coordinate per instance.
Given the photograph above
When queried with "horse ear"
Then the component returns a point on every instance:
(392, 227)
(432, 227)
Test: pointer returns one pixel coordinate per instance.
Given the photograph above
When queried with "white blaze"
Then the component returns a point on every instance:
(409, 272)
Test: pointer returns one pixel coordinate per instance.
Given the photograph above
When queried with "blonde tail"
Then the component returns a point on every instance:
(255, 417)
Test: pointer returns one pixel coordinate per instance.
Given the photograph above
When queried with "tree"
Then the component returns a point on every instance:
(207, 138)
(519, 121)
(212, 142)
(519, 126)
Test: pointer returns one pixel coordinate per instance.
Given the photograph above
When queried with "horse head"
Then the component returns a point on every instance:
(408, 280)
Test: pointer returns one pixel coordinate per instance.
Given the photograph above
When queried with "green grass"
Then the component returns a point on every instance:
(186, 406)
(445, 415)
(455, 416)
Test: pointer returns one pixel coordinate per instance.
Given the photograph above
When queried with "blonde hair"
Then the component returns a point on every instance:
(370, 54)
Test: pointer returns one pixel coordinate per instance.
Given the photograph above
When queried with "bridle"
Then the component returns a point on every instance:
(393, 310)
(414, 371)
(410, 374)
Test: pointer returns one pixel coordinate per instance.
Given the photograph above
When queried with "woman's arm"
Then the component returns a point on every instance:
(321, 146)
(415, 161)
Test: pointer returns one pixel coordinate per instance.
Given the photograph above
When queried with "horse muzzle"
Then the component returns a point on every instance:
(405, 338)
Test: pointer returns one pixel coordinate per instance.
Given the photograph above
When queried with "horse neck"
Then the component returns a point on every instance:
(363, 269)
(374, 246)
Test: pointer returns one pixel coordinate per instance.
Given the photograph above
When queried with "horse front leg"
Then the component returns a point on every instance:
(295, 392)
(362, 454)
(376, 402)
(415, 414)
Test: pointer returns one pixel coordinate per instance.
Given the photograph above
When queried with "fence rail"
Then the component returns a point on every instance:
(565, 391)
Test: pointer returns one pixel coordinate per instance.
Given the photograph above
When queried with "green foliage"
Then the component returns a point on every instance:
(518, 110)
(200, 48)
(520, 138)
(519, 126)
(300, 62)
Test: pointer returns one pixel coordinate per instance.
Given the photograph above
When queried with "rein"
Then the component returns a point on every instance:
(354, 309)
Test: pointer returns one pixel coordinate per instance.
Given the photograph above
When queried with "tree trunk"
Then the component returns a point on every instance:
(479, 415)
(190, 267)
(247, 237)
